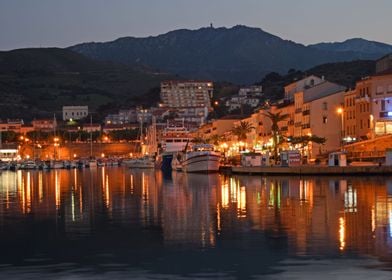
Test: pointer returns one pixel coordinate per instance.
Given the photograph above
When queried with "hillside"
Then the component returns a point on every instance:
(240, 54)
(38, 82)
(358, 45)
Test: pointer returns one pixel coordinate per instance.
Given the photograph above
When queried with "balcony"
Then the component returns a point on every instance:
(306, 112)
(298, 110)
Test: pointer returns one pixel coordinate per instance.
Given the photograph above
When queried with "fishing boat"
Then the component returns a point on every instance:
(174, 140)
(202, 158)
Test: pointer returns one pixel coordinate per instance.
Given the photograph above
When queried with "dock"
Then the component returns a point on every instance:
(309, 170)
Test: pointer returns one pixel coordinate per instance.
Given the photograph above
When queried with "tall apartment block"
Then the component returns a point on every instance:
(182, 94)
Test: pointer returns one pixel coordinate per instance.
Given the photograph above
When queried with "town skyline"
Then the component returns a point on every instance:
(47, 24)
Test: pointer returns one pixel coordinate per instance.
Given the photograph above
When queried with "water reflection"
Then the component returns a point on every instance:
(211, 222)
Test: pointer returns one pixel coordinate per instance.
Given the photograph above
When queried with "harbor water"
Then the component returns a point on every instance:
(116, 223)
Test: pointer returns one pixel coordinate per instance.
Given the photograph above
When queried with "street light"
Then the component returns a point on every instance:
(340, 111)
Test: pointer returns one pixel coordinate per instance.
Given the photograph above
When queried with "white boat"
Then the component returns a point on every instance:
(142, 162)
(56, 164)
(174, 139)
(29, 165)
(92, 163)
(202, 158)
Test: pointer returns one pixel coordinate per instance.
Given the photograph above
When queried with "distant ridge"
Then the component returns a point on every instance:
(239, 54)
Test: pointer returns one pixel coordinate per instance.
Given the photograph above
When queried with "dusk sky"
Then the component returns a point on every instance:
(44, 23)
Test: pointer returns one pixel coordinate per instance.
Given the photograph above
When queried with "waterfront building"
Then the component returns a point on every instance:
(181, 94)
(349, 119)
(93, 127)
(14, 125)
(74, 112)
(44, 124)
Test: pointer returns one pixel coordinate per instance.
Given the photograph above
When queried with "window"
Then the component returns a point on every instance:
(325, 119)
(368, 123)
(360, 124)
(325, 106)
(383, 105)
(380, 90)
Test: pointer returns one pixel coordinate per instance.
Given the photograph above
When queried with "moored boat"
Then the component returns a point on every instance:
(202, 158)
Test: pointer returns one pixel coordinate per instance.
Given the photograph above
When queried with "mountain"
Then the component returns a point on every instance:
(38, 82)
(358, 45)
(239, 54)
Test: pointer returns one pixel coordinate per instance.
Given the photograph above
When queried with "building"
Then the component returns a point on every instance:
(44, 124)
(180, 94)
(301, 85)
(74, 112)
(349, 118)
(91, 127)
(249, 96)
(11, 125)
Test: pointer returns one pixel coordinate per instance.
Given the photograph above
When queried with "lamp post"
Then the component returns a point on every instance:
(340, 111)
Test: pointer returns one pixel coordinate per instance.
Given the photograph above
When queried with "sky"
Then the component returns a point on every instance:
(62, 23)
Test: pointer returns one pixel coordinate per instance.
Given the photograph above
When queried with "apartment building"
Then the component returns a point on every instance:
(349, 116)
(179, 94)
(14, 125)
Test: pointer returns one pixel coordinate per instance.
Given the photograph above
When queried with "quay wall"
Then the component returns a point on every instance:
(312, 170)
(80, 150)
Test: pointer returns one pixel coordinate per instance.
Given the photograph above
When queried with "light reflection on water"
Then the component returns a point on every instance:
(118, 223)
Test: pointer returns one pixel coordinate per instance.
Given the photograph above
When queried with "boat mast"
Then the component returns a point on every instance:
(91, 136)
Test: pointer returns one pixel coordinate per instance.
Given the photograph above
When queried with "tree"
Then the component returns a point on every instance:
(306, 139)
(242, 130)
(275, 118)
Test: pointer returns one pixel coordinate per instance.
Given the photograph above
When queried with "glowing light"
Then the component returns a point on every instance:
(339, 110)
(342, 232)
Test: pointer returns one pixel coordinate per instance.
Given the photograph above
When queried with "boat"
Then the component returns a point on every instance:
(175, 139)
(176, 162)
(56, 164)
(202, 158)
(29, 164)
(148, 149)
(141, 162)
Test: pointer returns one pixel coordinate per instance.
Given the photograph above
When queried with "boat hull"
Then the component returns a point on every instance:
(201, 163)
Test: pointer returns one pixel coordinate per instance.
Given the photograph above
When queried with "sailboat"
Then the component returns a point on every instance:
(148, 149)
(55, 164)
(92, 162)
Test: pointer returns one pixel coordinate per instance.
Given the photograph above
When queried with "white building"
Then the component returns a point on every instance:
(74, 112)
(181, 94)
(246, 96)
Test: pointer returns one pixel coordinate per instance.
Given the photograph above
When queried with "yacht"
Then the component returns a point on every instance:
(202, 158)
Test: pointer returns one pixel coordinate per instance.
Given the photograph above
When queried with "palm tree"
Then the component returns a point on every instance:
(242, 130)
(275, 118)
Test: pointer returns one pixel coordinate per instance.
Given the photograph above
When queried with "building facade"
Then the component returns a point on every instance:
(74, 112)
(180, 94)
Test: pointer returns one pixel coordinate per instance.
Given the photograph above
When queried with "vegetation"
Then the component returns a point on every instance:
(242, 130)
(38, 82)
(304, 141)
(275, 118)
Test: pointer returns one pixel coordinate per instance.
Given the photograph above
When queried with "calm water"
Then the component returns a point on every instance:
(120, 224)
